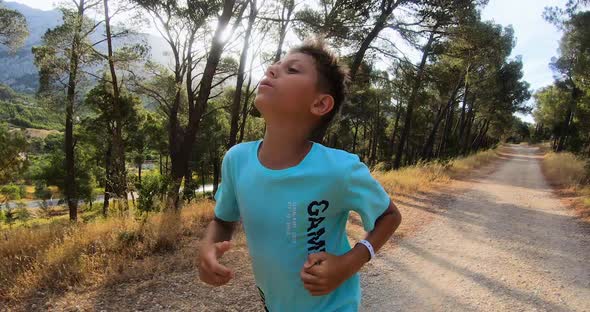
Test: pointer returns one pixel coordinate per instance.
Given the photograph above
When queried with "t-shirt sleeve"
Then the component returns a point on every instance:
(226, 205)
(366, 196)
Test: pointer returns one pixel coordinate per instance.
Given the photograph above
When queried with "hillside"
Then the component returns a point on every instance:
(25, 111)
(19, 71)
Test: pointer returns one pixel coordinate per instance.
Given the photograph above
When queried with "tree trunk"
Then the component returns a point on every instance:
(394, 132)
(203, 178)
(182, 152)
(371, 144)
(461, 125)
(374, 137)
(216, 172)
(133, 200)
(188, 180)
(448, 128)
(288, 7)
(70, 183)
(166, 169)
(387, 7)
(428, 145)
(118, 162)
(571, 108)
(160, 163)
(412, 101)
(108, 182)
(235, 109)
(427, 151)
(356, 130)
(364, 150)
(70, 191)
(245, 110)
(482, 133)
(139, 172)
(468, 124)
(408, 159)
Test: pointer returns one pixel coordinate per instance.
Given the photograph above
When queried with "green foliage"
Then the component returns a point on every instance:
(29, 116)
(48, 169)
(26, 111)
(12, 192)
(97, 131)
(54, 56)
(42, 191)
(13, 145)
(13, 28)
(339, 20)
(21, 213)
(563, 108)
(152, 188)
(9, 216)
(519, 132)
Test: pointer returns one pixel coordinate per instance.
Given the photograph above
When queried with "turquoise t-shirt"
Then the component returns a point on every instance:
(290, 213)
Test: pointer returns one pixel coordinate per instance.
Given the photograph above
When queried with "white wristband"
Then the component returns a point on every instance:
(369, 247)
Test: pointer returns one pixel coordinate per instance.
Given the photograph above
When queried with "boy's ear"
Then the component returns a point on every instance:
(323, 105)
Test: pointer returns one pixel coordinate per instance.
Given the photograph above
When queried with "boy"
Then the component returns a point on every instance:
(293, 195)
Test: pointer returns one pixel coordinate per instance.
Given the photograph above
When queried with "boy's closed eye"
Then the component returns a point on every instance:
(289, 64)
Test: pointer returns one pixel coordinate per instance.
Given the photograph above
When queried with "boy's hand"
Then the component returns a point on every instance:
(324, 272)
(210, 270)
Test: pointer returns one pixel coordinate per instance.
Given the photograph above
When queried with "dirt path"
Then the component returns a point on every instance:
(505, 243)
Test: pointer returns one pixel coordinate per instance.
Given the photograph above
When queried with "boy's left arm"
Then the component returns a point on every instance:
(324, 272)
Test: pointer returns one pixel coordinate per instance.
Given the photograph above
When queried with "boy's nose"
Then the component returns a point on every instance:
(271, 71)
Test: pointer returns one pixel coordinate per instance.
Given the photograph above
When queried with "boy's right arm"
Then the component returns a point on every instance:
(213, 245)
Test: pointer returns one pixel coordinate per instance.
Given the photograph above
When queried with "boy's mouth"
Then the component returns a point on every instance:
(266, 83)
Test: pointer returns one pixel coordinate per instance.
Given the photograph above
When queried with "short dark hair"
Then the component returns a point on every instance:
(333, 79)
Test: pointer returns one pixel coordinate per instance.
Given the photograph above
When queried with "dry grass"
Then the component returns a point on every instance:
(40, 133)
(56, 257)
(564, 168)
(567, 172)
(544, 147)
(424, 176)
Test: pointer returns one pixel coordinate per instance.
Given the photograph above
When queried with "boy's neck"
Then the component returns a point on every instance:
(283, 148)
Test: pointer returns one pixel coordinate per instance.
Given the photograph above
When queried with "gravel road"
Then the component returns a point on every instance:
(504, 243)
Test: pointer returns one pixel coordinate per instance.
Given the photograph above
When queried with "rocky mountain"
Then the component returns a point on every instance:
(19, 71)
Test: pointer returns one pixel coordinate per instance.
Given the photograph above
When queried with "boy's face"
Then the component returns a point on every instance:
(289, 89)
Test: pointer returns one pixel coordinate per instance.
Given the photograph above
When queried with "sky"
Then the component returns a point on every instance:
(536, 40)
(37, 4)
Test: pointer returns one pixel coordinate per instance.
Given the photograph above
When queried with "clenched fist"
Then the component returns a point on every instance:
(324, 272)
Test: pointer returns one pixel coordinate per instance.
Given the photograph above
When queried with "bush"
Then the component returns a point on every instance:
(152, 187)
(9, 216)
(42, 191)
(12, 192)
(565, 168)
(22, 214)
